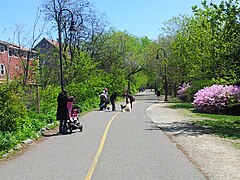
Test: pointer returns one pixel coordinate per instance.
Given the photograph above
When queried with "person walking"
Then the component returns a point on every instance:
(62, 111)
(112, 100)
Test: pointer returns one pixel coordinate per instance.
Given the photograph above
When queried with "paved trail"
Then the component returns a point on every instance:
(114, 145)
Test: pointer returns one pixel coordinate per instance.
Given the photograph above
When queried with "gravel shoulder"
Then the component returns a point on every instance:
(215, 157)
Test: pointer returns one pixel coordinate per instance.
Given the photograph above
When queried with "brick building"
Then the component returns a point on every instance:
(13, 59)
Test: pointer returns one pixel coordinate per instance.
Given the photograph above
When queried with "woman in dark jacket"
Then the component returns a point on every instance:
(62, 111)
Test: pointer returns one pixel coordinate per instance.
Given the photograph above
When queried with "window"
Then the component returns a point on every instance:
(2, 70)
(2, 48)
(10, 52)
(15, 52)
(25, 54)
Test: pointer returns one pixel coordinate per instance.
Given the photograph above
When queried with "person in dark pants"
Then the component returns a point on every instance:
(62, 111)
(112, 100)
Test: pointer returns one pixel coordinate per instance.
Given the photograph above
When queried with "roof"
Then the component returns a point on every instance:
(14, 46)
(53, 42)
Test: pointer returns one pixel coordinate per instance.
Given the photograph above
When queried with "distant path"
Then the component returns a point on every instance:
(133, 149)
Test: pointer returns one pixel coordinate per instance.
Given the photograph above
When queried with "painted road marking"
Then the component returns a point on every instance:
(94, 163)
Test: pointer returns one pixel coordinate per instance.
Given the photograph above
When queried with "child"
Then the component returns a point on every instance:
(70, 105)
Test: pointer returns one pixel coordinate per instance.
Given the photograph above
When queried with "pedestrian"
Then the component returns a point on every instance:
(62, 111)
(112, 100)
(126, 107)
(129, 97)
(104, 99)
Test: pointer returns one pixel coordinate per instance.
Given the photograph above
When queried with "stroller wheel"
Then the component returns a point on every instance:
(70, 130)
(81, 128)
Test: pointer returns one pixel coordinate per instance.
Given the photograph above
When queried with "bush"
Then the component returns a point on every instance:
(7, 141)
(216, 98)
(233, 109)
(182, 91)
(195, 86)
(48, 100)
(12, 109)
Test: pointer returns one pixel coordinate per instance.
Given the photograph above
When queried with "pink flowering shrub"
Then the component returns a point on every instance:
(216, 98)
(182, 91)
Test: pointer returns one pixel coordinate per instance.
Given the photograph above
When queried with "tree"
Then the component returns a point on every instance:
(223, 26)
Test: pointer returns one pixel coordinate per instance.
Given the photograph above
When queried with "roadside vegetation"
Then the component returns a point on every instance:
(226, 126)
(199, 65)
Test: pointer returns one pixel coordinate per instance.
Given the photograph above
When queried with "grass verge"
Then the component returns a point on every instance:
(226, 126)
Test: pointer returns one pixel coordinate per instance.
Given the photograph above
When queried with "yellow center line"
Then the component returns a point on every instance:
(94, 163)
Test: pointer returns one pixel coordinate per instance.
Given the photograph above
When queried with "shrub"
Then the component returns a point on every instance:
(12, 109)
(7, 141)
(182, 91)
(195, 86)
(48, 101)
(216, 98)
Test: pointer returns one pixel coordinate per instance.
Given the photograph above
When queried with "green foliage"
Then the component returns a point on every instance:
(86, 95)
(228, 78)
(27, 128)
(48, 100)
(7, 141)
(12, 108)
(205, 45)
(16, 122)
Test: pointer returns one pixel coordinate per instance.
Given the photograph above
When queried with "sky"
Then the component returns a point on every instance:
(137, 17)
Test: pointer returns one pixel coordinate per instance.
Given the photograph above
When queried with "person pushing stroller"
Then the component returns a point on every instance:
(104, 100)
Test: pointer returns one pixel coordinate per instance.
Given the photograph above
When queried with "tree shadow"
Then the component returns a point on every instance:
(180, 128)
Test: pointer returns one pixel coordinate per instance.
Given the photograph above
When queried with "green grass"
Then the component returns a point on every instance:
(226, 126)
(181, 105)
(222, 125)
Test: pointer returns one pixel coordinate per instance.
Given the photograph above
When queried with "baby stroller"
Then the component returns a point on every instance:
(103, 101)
(73, 122)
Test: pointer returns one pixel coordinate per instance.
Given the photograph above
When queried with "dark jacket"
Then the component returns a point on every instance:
(62, 110)
(131, 98)
(113, 97)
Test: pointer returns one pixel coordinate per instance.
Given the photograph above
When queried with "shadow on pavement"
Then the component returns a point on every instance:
(57, 134)
(182, 128)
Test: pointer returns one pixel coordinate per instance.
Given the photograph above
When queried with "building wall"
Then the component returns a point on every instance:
(13, 58)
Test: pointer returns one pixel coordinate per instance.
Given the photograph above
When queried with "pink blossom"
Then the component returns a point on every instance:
(216, 97)
(182, 90)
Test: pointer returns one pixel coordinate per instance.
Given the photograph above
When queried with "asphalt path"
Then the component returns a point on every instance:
(112, 146)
